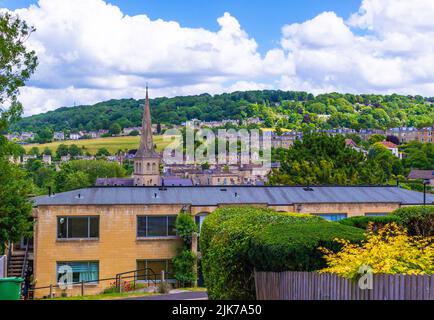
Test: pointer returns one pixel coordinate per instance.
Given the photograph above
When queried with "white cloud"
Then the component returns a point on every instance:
(90, 51)
(385, 47)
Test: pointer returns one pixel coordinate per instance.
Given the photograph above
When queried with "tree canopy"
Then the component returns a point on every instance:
(17, 64)
(284, 109)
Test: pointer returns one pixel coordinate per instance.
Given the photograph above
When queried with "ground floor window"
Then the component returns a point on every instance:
(333, 216)
(87, 271)
(151, 269)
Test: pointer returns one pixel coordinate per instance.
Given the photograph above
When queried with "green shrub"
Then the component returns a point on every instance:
(183, 265)
(185, 226)
(235, 241)
(184, 262)
(419, 220)
(362, 222)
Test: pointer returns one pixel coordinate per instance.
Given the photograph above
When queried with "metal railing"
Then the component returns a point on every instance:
(148, 277)
(26, 258)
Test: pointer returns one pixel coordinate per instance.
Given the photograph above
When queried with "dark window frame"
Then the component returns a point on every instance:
(68, 218)
(341, 214)
(168, 269)
(91, 282)
(146, 217)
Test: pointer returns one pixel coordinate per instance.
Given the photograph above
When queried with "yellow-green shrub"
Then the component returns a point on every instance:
(390, 250)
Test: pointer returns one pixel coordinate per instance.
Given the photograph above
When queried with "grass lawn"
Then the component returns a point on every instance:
(112, 144)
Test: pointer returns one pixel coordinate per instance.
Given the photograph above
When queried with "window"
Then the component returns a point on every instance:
(77, 227)
(199, 221)
(333, 216)
(156, 226)
(151, 269)
(374, 214)
(81, 271)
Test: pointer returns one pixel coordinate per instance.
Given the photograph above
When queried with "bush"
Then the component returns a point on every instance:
(235, 241)
(185, 226)
(419, 220)
(362, 222)
(388, 251)
(183, 265)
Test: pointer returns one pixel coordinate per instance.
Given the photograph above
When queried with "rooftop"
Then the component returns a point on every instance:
(212, 195)
(421, 174)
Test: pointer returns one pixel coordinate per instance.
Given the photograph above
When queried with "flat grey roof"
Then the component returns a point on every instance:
(212, 196)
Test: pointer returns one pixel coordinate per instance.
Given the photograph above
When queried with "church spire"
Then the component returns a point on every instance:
(146, 149)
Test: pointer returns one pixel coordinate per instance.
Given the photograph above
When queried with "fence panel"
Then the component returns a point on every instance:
(2, 267)
(316, 286)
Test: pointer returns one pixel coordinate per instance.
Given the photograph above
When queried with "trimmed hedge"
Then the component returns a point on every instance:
(419, 220)
(236, 240)
(362, 222)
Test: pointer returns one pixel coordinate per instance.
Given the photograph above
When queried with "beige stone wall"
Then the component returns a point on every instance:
(118, 248)
(351, 209)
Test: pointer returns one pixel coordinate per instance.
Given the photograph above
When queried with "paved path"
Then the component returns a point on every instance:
(187, 295)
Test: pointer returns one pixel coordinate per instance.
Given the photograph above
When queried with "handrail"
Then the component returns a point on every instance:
(26, 255)
(118, 279)
(119, 276)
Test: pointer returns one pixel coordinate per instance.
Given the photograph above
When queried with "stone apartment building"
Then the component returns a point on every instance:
(103, 231)
(407, 134)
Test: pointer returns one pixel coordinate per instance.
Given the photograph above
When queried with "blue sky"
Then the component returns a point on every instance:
(95, 50)
(262, 19)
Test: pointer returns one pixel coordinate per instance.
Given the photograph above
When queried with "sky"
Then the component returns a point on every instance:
(94, 50)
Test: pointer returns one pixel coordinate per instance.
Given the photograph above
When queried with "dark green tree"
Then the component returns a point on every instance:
(17, 64)
(115, 129)
(15, 209)
(62, 150)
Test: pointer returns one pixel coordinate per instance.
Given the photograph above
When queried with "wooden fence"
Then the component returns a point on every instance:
(316, 286)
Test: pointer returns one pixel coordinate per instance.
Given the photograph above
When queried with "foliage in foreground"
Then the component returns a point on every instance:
(390, 251)
(235, 241)
(184, 262)
(418, 220)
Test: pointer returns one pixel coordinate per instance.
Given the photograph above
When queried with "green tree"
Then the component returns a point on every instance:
(62, 150)
(185, 227)
(44, 135)
(376, 138)
(103, 152)
(134, 133)
(47, 151)
(76, 180)
(17, 64)
(15, 209)
(74, 151)
(92, 170)
(35, 151)
(115, 129)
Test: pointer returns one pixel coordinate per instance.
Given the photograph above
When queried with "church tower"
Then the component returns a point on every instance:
(147, 160)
